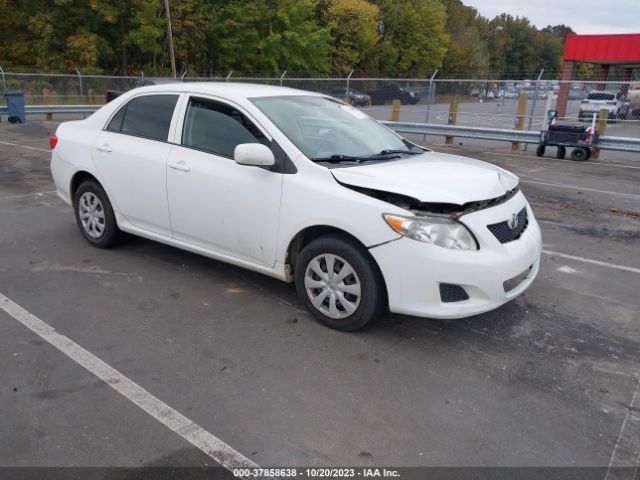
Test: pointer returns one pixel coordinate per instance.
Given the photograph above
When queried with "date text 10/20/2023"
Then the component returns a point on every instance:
(328, 473)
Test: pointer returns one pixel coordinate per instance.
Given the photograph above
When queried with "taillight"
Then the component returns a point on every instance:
(53, 141)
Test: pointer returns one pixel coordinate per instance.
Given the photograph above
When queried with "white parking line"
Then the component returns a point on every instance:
(560, 160)
(222, 453)
(536, 181)
(9, 143)
(600, 263)
(35, 148)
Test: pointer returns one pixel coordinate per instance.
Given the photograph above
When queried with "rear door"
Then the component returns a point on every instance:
(131, 156)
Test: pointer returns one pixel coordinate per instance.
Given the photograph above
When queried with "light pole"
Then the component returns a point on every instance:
(491, 55)
(172, 56)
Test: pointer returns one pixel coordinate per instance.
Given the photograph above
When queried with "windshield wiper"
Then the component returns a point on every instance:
(388, 152)
(340, 158)
(381, 155)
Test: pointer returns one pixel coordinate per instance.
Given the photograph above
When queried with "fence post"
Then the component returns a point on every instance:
(395, 110)
(45, 101)
(229, 76)
(429, 99)
(453, 118)
(522, 111)
(600, 128)
(4, 82)
(282, 76)
(533, 104)
(80, 80)
(348, 79)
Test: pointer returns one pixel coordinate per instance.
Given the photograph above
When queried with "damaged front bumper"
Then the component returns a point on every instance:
(490, 276)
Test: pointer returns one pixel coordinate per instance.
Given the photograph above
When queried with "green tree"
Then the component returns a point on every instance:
(413, 40)
(468, 50)
(514, 46)
(353, 27)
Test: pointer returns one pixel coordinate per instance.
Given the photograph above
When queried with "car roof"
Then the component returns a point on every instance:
(238, 90)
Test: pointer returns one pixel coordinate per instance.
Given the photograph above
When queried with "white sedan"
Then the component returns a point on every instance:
(302, 187)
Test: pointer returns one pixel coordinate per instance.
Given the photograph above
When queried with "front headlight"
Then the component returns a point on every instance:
(439, 231)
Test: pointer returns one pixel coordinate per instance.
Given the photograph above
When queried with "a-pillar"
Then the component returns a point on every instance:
(626, 78)
(565, 84)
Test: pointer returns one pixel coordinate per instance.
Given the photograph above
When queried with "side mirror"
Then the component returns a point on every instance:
(255, 154)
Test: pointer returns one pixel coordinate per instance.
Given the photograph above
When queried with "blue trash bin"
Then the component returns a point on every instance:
(15, 106)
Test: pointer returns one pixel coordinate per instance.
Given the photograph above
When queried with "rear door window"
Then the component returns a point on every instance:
(148, 116)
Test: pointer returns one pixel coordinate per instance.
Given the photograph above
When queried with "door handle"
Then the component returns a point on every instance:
(182, 166)
(104, 148)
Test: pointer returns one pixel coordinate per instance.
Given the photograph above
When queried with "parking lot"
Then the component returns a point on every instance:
(550, 379)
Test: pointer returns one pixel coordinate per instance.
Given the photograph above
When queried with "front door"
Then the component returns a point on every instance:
(214, 202)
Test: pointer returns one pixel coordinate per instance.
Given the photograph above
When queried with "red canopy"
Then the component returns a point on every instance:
(603, 49)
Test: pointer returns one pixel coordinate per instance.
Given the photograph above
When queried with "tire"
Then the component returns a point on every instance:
(579, 154)
(561, 152)
(366, 295)
(540, 150)
(94, 215)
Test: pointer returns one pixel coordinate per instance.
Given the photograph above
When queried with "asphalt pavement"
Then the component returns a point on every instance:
(550, 379)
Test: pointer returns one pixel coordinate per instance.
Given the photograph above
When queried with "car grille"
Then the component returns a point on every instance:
(504, 233)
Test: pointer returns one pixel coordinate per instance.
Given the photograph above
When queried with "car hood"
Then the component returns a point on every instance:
(432, 177)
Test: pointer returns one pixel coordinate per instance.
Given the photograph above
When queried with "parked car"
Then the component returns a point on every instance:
(615, 103)
(355, 98)
(388, 93)
(306, 189)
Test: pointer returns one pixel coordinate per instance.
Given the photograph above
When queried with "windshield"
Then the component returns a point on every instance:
(326, 129)
(601, 96)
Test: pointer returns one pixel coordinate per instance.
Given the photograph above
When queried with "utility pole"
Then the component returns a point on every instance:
(172, 55)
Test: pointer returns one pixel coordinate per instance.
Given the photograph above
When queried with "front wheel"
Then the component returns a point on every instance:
(339, 283)
(561, 152)
(94, 215)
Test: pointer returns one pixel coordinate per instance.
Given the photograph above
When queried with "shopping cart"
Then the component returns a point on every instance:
(564, 136)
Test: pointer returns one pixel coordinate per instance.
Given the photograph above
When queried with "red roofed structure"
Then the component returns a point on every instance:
(603, 50)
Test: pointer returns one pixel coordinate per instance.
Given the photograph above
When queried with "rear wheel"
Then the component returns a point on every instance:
(580, 154)
(94, 215)
(561, 152)
(540, 150)
(339, 283)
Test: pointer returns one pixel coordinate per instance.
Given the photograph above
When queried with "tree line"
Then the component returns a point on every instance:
(396, 38)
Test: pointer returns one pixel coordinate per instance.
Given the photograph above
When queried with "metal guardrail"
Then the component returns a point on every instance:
(622, 144)
(505, 135)
(45, 109)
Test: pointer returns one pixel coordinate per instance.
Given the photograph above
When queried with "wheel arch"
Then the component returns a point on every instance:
(79, 177)
(310, 233)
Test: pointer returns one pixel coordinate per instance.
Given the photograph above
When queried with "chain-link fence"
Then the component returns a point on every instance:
(478, 102)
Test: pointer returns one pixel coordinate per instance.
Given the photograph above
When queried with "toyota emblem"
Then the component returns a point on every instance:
(513, 221)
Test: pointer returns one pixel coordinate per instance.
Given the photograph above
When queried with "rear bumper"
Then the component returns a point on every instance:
(413, 271)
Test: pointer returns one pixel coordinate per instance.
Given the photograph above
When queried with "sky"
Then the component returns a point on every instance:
(584, 16)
